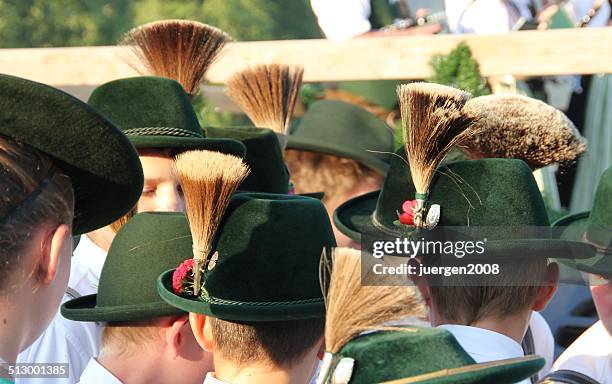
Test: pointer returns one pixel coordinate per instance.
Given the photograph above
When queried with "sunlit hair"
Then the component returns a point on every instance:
(336, 176)
(127, 338)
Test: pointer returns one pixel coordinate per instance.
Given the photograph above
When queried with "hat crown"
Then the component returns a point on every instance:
(487, 192)
(435, 357)
(147, 105)
(147, 245)
(381, 356)
(346, 130)
(263, 156)
(269, 248)
(103, 166)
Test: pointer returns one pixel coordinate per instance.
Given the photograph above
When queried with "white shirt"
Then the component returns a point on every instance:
(87, 262)
(342, 20)
(483, 16)
(211, 379)
(95, 373)
(67, 341)
(590, 354)
(484, 345)
(577, 9)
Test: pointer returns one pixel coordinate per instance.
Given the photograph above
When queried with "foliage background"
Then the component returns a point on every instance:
(56, 23)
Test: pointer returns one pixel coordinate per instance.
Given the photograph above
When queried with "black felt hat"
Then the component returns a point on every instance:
(156, 112)
(103, 166)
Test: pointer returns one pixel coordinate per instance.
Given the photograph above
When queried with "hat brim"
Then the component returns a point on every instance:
(361, 155)
(354, 218)
(227, 146)
(240, 310)
(314, 195)
(505, 371)
(85, 309)
(104, 168)
(574, 228)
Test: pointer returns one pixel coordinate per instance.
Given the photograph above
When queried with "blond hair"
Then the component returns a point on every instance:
(334, 175)
(127, 338)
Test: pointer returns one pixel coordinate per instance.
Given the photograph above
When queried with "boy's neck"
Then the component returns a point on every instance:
(513, 326)
(10, 327)
(102, 237)
(13, 335)
(266, 373)
(150, 369)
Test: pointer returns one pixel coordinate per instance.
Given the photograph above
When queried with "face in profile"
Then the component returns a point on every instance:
(162, 191)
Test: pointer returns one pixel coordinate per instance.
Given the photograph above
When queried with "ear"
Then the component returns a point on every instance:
(202, 331)
(421, 284)
(174, 334)
(548, 288)
(53, 246)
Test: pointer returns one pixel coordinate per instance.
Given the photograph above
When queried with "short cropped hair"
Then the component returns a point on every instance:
(334, 175)
(282, 343)
(126, 338)
(469, 299)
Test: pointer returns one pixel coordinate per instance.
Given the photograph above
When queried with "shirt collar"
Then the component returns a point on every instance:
(211, 379)
(95, 373)
(484, 345)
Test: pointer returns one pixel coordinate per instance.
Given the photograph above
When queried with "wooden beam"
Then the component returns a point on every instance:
(529, 53)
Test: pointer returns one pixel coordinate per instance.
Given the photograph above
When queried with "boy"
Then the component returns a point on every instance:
(498, 307)
(363, 345)
(157, 116)
(591, 353)
(141, 330)
(55, 182)
(329, 152)
(261, 311)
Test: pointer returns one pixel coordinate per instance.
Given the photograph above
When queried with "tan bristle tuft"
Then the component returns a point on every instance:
(208, 180)
(181, 50)
(433, 123)
(267, 94)
(519, 127)
(353, 307)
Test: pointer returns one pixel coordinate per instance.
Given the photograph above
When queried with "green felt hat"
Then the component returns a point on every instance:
(263, 156)
(379, 92)
(345, 130)
(423, 355)
(103, 166)
(498, 194)
(156, 112)
(595, 228)
(147, 245)
(265, 261)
